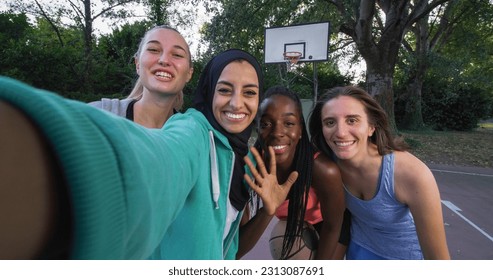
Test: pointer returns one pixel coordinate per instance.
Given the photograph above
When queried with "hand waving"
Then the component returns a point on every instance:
(265, 184)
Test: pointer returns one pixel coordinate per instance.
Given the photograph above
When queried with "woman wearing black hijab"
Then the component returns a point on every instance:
(224, 107)
(203, 102)
(130, 192)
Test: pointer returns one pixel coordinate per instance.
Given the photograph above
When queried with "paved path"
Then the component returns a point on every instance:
(467, 201)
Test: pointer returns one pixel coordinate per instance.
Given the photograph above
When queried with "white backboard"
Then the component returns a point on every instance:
(312, 40)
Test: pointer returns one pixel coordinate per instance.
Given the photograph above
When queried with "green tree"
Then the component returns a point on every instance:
(32, 53)
(115, 68)
(241, 24)
(423, 49)
(377, 29)
(75, 14)
(158, 11)
(13, 30)
(470, 48)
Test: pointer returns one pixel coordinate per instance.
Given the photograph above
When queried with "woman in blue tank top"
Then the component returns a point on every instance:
(392, 195)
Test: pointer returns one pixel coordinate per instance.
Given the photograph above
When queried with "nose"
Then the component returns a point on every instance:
(341, 130)
(163, 59)
(236, 101)
(278, 130)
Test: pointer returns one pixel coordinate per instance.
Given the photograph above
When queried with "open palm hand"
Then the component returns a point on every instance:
(265, 183)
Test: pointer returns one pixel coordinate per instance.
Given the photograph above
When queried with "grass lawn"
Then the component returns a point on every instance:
(474, 148)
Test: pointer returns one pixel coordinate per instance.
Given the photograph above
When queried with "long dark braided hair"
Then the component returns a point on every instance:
(302, 163)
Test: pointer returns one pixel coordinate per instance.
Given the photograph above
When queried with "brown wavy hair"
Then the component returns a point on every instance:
(382, 137)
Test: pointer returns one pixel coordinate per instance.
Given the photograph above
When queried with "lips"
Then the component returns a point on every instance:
(279, 149)
(343, 144)
(235, 116)
(163, 75)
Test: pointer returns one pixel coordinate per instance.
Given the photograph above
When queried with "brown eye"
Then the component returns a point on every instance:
(224, 91)
(329, 123)
(352, 120)
(265, 124)
(250, 93)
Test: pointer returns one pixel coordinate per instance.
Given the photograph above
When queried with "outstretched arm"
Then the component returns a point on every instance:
(28, 191)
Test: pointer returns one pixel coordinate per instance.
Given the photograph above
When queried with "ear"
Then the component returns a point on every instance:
(371, 130)
(190, 74)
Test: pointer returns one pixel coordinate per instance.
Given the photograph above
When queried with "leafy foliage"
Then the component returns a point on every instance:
(36, 57)
(114, 56)
(456, 55)
(244, 28)
(32, 51)
(448, 109)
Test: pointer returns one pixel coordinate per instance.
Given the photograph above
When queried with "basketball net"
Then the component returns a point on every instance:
(292, 59)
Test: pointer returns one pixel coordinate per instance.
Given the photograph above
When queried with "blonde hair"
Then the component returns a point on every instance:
(138, 88)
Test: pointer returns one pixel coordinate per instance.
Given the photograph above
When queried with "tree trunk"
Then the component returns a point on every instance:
(379, 39)
(158, 13)
(426, 44)
(381, 56)
(413, 116)
(88, 40)
(379, 85)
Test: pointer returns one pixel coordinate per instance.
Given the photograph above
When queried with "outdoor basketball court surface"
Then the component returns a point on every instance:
(467, 201)
(467, 204)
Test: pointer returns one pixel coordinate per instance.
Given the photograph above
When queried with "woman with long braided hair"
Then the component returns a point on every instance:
(315, 204)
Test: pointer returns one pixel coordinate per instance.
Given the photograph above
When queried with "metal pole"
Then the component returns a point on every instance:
(315, 84)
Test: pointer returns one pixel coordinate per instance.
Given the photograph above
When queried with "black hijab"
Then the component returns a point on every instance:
(202, 101)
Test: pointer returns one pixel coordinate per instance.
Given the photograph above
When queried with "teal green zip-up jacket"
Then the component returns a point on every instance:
(137, 193)
(198, 231)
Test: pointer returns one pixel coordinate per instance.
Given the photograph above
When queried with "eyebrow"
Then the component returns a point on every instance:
(288, 114)
(325, 119)
(231, 85)
(348, 116)
(174, 46)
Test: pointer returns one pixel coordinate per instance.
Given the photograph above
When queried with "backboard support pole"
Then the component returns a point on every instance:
(315, 84)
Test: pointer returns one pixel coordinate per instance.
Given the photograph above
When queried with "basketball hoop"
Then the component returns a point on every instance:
(292, 57)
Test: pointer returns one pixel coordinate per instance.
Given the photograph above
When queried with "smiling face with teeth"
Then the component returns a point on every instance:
(236, 96)
(346, 127)
(163, 62)
(280, 127)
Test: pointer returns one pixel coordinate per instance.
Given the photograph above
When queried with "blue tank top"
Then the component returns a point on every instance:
(383, 225)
